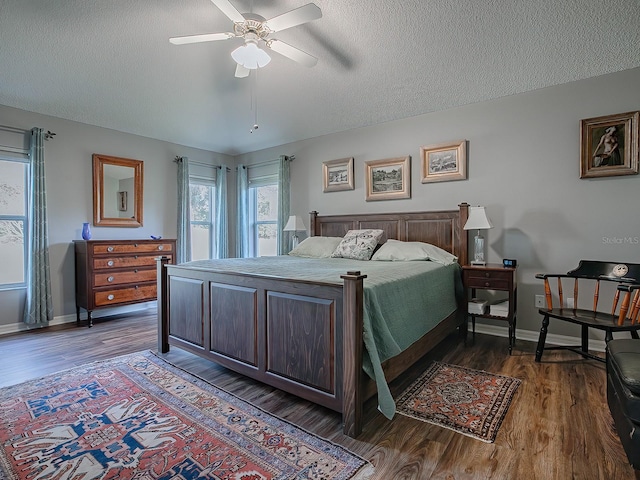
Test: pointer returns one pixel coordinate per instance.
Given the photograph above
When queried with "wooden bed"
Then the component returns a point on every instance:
(244, 322)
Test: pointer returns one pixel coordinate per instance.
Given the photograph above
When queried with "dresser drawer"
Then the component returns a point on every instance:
(492, 280)
(125, 295)
(128, 276)
(131, 261)
(142, 247)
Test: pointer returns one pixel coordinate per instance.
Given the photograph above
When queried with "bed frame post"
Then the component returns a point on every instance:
(463, 254)
(313, 216)
(352, 341)
(163, 303)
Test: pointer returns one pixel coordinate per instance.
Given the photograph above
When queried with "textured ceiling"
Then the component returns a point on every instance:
(109, 63)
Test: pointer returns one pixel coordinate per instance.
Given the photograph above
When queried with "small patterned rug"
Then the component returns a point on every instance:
(467, 401)
(139, 417)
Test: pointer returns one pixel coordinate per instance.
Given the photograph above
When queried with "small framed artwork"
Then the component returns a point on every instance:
(609, 145)
(444, 162)
(338, 175)
(388, 179)
(122, 201)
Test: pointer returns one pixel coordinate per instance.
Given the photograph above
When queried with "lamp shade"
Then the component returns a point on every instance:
(250, 56)
(294, 224)
(478, 219)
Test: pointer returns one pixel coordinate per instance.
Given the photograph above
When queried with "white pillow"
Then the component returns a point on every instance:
(358, 244)
(397, 251)
(316, 247)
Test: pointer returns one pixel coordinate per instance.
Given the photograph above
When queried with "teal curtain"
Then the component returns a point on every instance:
(242, 233)
(39, 304)
(222, 234)
(284, 244)
(184, 212)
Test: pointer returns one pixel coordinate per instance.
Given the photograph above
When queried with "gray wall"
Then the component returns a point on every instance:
(69, 178)
(523, 166)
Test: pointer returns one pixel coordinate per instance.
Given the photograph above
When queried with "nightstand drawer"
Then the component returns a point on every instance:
(489, 279)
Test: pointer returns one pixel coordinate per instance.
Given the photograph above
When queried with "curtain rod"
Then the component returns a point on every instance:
(202, 164)
(268, 162)
(47, 136)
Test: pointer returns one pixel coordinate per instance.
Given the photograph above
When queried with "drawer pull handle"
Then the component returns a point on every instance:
(135, 271)
(486, 284)
(136, 287)
(135, 244)
(135, 256)
(109, 249)
(160, 247)
(110, 263)
(110, 279)
(110, 297)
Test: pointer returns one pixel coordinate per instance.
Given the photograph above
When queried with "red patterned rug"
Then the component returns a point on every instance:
(467, 401)
(138, 417)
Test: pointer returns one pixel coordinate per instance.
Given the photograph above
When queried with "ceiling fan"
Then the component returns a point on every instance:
(257, 31)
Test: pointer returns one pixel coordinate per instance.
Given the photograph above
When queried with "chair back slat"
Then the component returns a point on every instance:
(560, 292)
(635, 309)
(547, 293)
(596, 295)
(614, 304)
(575, 293)
(624, 308)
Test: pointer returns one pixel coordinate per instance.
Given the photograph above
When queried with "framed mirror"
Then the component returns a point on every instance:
(117, 191)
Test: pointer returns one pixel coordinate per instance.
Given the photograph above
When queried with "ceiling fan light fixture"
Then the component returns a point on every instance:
(250, 55)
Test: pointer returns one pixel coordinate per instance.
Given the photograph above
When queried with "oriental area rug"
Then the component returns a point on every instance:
(467, 401)
(137, 416)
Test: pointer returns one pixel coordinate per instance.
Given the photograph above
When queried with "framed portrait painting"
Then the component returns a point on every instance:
(609, 145)
(444, 162)
(337, 175)
(388, 179)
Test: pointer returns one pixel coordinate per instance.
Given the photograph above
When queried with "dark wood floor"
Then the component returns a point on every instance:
(558, 426)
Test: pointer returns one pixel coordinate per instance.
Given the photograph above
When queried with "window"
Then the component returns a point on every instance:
(14, 181)
(263, 215)
(202, 205)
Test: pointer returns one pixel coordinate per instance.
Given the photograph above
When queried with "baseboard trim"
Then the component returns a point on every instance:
(64, 319)
(532, 336)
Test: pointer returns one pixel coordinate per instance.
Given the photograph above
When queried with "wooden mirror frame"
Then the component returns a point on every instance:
(99, 218)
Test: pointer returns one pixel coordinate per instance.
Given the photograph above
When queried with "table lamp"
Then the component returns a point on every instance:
(478, 220)
(294, 224)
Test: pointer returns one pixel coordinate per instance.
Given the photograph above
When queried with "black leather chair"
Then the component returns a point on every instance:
(623, 393)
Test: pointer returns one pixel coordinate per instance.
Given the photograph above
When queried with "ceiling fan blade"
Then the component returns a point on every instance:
(298, 16)
(241, 71)
(293, 53)
(207, 37)
(229, 10)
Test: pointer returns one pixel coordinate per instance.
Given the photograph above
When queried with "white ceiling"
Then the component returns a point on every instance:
(109, 63)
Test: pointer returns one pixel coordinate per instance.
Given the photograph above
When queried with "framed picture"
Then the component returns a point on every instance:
(338, 175)
(444, 162)
(388, 179)
(609, 145)
(122, 201)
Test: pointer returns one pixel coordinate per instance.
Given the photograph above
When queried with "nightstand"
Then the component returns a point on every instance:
(493, 277)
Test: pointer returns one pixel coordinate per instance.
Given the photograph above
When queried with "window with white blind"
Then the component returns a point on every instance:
(202, 187)
(263, 209)
(14, 211)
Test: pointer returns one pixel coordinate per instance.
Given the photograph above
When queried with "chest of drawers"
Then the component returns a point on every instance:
(112, 273)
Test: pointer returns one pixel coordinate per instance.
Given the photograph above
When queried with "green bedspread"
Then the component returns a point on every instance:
(402, 300)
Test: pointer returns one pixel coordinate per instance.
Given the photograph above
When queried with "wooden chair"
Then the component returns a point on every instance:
(620, 315)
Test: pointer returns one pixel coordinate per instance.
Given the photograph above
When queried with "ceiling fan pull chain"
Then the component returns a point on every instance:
(254, 100)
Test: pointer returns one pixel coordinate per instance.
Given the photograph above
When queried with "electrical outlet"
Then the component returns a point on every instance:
(539, 301)
(570, 303)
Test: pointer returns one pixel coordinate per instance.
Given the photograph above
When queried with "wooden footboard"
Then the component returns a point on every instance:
(303, 338)
(299, 336)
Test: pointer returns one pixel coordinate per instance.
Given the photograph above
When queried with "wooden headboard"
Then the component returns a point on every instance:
(443, 228)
